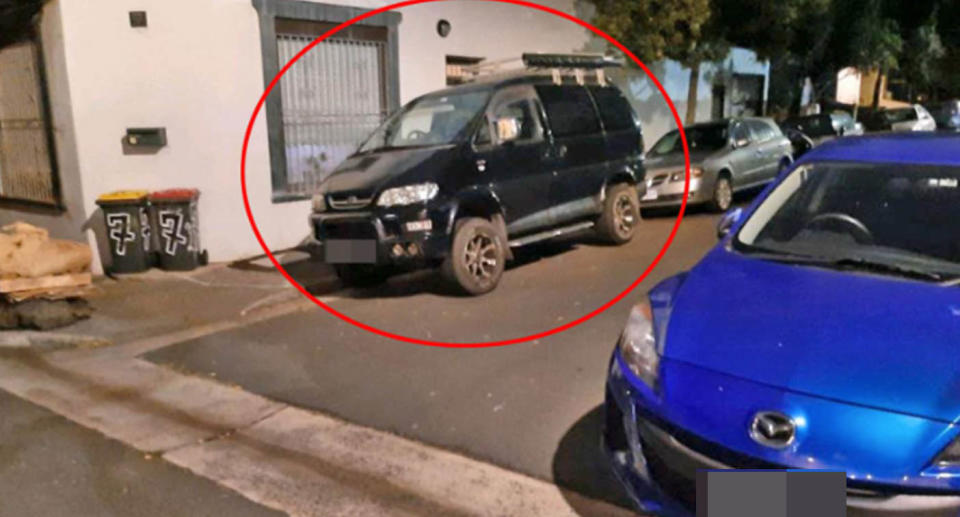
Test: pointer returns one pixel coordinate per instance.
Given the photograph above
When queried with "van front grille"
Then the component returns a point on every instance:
(341, 202)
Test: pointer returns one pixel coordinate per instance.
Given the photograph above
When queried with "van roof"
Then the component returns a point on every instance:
(497, 81)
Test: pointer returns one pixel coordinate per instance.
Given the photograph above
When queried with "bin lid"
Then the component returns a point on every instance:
(123, 196)
(175, 195)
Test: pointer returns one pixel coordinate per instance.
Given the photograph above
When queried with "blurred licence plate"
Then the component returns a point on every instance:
(650, 195)
(350, 251)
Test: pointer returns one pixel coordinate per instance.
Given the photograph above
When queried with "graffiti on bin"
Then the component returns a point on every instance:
(145, 229)
(120, 232)
(174, 230)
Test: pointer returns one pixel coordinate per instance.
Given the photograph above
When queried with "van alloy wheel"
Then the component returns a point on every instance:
(621, 214)
(625, 214)
(477, 256)
(480, 257)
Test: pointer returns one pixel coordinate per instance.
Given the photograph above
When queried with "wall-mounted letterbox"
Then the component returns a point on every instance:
(146, 136)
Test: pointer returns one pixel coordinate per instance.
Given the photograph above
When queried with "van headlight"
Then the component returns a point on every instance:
(638, 344)
(408, 195)
(319, 202)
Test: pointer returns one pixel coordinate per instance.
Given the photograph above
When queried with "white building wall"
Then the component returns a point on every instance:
(196, 70)
(68, 223)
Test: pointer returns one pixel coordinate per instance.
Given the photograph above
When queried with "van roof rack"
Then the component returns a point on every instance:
(581, 68)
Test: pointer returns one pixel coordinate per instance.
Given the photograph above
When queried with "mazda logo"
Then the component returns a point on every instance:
(773, 429)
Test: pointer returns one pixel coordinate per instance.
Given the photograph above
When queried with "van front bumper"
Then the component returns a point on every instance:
(398, 236)
(658, 469)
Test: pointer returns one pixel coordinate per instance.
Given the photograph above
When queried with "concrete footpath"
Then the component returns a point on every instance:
(282, 457)
(52, 467)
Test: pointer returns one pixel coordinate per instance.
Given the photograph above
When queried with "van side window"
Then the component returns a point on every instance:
(522, 112)
(483, 134)
(615, 111)
(569, 110)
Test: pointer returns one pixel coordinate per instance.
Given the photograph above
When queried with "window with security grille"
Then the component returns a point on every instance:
(27, 171)
(332, 98)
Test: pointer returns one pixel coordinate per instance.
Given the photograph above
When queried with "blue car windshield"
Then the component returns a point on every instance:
(896, 215)
(429, 120)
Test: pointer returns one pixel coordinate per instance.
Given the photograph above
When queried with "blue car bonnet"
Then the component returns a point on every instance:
(880, 342)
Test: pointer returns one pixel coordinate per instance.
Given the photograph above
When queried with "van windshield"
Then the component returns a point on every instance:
(699, 138)
(429, 120)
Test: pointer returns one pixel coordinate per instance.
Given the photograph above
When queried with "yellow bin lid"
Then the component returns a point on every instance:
(119, 196)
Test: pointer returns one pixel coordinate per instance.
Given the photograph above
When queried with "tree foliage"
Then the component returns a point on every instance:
(681, 30)
(918, 40)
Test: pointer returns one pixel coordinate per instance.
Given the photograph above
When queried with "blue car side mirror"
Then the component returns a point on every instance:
(727, 222)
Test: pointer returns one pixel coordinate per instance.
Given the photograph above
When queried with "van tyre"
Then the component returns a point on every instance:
(477, 256)
(722, 195)
(621, 214)
(361, 275)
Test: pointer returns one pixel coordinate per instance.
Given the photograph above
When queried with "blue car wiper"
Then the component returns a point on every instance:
(888, 267)
(854, 262)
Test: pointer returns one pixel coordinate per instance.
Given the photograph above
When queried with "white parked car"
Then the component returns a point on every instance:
(913, 118)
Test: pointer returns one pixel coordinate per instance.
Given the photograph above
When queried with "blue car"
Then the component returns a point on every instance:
(823, 331)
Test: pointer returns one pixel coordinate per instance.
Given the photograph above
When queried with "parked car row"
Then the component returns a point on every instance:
(459, 178)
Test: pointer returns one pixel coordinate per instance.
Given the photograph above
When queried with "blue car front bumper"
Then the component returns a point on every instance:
(657, 462)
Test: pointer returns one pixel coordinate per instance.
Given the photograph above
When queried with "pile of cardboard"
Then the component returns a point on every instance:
(43, 281)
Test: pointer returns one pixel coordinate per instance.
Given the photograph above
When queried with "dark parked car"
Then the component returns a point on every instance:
(947, 115)
(459, 177)
(799, 140)
(824, 126)
(725, 156)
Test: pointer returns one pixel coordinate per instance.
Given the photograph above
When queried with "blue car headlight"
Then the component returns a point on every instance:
(949, 457)
(638, 344)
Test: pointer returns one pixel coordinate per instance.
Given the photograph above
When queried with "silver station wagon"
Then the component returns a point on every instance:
(725, 156)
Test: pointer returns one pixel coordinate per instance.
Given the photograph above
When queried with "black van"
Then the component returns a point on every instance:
(458, 177)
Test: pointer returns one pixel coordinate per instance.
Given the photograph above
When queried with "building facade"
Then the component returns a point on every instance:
(94, 71)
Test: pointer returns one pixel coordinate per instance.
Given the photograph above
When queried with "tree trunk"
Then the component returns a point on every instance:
(692, 94)
(876, 88)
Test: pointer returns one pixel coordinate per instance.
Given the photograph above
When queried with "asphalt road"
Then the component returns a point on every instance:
(532, 407)
(52, 467)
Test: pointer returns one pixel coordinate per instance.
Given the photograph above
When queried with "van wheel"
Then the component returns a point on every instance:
(621, 214)
(722, 195)
(361, 275)
(477, 257)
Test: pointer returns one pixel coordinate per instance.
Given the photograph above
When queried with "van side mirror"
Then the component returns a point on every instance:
(508, 129)
(728, 221)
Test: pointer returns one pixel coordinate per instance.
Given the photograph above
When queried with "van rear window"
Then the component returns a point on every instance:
(569, 110)
(615, 111)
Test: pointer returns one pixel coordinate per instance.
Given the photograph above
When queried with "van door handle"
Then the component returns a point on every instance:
(481, 165)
